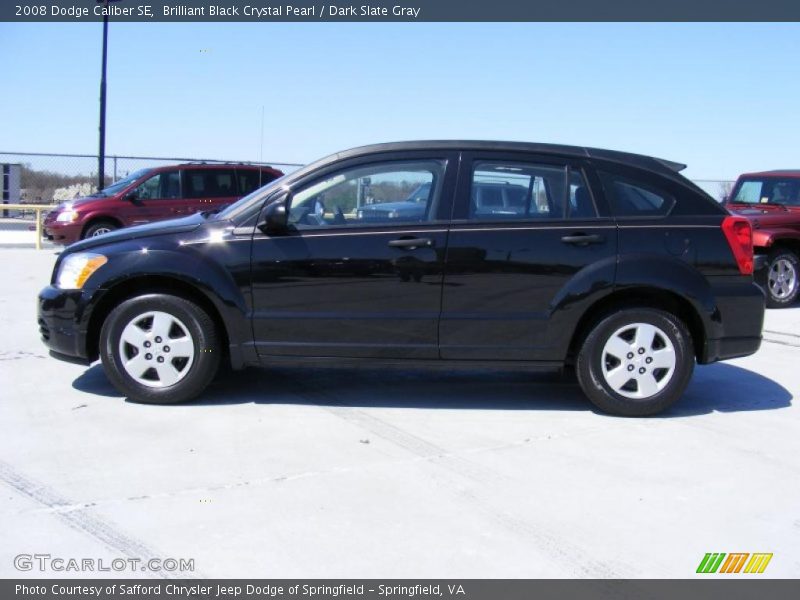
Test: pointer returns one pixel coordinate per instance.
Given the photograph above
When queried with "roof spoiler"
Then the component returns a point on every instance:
(671, 165)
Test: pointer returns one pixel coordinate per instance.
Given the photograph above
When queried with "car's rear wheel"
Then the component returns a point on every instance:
(783, 283)
(99, 228)
(159, 349)
(636, 362)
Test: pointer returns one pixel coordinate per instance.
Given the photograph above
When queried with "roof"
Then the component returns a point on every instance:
(774, 173)
(639, 160)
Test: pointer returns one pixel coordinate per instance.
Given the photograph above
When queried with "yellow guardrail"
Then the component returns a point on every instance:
(38, 209)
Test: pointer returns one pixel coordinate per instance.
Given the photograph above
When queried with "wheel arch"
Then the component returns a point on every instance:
(641, 297)
(100, 218)
(151, 284)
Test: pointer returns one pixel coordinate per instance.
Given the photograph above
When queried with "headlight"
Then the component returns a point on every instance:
(67, 216)
(77, 268)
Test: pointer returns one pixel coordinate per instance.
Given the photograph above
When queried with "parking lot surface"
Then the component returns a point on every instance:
(362, 473)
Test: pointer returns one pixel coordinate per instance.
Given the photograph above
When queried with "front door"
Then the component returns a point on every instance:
(524, 232)
(359, 271)
(155, 199)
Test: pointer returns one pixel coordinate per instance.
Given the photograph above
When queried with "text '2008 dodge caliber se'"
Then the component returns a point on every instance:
(520, 255)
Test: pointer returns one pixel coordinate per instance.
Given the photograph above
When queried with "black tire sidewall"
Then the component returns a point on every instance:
(589, 365)
(773, 302)
(201, 328)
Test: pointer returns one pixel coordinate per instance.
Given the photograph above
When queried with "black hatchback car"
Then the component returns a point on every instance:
(526, 256)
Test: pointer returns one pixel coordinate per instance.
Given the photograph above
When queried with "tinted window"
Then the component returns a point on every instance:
(387, 193)
(209, 183)
(630, 198)
(768, 191)
(252, 179)
(166, 184)
(502, 191)
(580, 205)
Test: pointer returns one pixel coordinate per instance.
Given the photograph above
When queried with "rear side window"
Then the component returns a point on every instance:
(252, 179)
(629, 198)
(209, 183)
(506, 190)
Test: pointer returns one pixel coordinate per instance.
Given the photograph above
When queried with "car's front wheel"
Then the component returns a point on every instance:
(159, 349)
(783, 283)
(99, 228)
(636, 362)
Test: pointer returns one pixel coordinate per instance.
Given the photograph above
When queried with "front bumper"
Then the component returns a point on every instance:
(62, 233)
(60, 323)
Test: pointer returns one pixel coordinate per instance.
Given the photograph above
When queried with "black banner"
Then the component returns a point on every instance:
(375, 589)
(260, 11)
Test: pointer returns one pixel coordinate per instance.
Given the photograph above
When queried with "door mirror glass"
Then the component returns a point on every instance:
(275, 216)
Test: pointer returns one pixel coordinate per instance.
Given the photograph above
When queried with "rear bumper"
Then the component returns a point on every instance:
(725, 348)
(60, 325)
(738, 319)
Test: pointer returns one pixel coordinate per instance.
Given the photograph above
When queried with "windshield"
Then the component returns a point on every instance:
(232, 210)
(118, 186)
(785, 192)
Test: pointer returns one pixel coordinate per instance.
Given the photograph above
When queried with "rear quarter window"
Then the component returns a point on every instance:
(633, 198)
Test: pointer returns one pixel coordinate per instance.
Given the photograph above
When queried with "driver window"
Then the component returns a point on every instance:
(387, 193)
(161, 185)
(150, 188)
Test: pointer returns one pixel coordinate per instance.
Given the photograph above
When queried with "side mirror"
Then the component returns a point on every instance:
(132, 196)
(275, 217)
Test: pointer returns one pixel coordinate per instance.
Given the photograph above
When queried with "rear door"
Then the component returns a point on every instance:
(250, 179)
(340, 283)
(208, 188)
(525, 236)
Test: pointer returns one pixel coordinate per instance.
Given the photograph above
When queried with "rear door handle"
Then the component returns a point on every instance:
(411, 243)
(583, 239)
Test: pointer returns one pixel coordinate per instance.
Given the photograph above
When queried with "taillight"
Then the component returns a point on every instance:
(739, 234)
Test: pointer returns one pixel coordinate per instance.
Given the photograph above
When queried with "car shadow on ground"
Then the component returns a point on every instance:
(714, 388)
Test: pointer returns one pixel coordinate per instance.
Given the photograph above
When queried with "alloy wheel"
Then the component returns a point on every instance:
(638, 361)
(156, 349)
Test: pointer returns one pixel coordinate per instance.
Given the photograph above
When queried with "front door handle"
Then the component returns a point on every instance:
(583, 239)
(411, 243)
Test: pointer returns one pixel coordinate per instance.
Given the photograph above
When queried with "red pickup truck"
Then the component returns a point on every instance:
(771, 201)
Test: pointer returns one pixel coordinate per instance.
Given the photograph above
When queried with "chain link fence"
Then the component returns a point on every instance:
(47, 179)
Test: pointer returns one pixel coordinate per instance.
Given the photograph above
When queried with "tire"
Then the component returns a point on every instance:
(99, 228)
(640, 389)
(177, 331)
(782, 279)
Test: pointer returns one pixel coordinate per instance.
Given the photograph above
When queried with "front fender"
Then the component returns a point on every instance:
(766, 238)
(193, 266)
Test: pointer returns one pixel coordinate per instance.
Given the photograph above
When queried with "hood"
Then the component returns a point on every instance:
(767, 215)
(140, 231)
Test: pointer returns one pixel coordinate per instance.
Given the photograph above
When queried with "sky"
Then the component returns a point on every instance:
(723, 98)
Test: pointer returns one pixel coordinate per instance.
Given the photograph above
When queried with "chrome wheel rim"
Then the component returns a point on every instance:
(100, 231)
(782, 278)
(638, 361)
(156, 349)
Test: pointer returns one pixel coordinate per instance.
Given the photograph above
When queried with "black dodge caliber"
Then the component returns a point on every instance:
(508, 255)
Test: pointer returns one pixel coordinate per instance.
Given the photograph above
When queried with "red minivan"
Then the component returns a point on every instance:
(155, 194)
